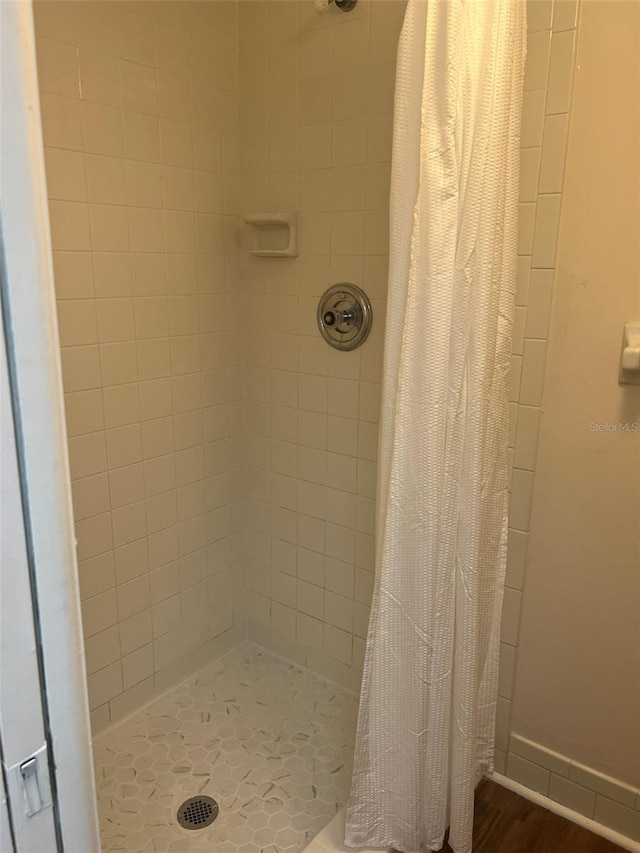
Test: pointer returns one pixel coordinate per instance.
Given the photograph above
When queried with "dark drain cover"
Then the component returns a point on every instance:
(198, 812)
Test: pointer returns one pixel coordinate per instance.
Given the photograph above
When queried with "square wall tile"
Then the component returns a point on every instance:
(539, 15)
(554, 149)
(537, 64)
(565, 14)
(532, 118)
(529, 168)
(545, 237)
(65, 174)
(539, 308)
(560, 72)
(533, 367)
(528, 774)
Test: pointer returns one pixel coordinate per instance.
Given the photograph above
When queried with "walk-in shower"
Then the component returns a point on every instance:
(219, 176)
(213, 169)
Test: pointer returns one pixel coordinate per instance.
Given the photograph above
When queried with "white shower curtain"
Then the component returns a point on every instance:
(427, 710)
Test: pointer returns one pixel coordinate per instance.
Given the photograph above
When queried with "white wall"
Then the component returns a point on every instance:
(578, 679)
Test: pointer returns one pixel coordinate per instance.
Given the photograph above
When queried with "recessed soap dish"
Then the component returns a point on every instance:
(275, 234)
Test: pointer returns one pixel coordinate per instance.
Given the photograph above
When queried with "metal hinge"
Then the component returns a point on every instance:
(31, 777)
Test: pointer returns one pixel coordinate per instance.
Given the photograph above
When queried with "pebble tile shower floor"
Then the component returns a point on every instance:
(272, 743)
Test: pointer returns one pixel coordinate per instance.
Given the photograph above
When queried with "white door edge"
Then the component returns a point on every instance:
(36, 386)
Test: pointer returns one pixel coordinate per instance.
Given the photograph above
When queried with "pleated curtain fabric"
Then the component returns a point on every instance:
(427, 709)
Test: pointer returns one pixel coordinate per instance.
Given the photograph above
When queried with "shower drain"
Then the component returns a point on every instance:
(197, 812)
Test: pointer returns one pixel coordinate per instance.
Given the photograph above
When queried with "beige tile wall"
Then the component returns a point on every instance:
(316, 123)
(140, 122)
(316, 119)
(585, 790)
(545, 123)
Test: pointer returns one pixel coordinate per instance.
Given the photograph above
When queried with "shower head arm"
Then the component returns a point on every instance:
(343, 5)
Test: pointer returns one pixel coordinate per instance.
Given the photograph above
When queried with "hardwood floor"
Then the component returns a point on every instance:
(507, 823)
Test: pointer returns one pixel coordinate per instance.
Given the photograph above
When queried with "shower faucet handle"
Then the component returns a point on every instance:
(336, 317)
(344, 316)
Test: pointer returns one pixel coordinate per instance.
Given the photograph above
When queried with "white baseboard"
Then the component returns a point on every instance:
(569, 814)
